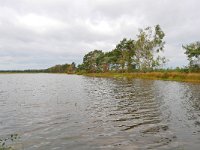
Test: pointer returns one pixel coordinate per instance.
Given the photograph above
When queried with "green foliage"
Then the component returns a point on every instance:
(126, 50)
(24, 71)
(66, 68)
(148, 45)
(93, 60)
(192, 50)
(141, 54)
(193, 54)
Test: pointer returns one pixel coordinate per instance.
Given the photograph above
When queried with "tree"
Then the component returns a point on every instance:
(193, 54)
(65, 68)
(126, 50)
(114, 57)
(106, 61)
(148, 45)
(130, 48)
(122, 54)
(92, 61)
(71, 68)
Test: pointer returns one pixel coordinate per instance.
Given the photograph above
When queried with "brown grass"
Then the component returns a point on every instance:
(172, 76)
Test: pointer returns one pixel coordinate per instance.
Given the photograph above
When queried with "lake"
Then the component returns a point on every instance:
(59, 112)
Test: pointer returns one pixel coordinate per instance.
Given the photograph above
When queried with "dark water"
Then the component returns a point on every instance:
(69, 112)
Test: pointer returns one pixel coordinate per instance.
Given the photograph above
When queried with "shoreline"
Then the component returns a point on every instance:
(165, 76)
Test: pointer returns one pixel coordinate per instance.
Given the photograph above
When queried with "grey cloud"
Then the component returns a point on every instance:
(41, 33)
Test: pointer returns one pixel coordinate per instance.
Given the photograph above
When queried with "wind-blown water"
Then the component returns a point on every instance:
(58, 111)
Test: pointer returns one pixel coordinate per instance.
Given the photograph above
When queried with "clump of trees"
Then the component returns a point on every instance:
(142, 54)
(66, 68)
(193, 54)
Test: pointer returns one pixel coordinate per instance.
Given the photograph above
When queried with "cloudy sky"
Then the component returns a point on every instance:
(41, 33)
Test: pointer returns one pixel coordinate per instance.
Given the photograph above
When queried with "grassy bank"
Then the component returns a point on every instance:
(171, 76)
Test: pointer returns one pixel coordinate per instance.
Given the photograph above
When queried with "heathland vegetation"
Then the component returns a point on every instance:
(141, 57)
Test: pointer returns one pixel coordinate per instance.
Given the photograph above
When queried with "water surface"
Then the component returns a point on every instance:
(58, 111)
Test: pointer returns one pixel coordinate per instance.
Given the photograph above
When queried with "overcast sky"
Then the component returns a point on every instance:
(41, 33)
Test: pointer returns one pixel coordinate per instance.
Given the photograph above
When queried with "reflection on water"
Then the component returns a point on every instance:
(51, 111)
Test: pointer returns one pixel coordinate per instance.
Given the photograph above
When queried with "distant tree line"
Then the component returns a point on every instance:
(22, 71)
(65, 68)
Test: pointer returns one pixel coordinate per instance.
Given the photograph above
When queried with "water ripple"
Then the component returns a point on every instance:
(52, 111)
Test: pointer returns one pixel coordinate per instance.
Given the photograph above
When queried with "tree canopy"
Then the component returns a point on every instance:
(193, 54)
(141, 54)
